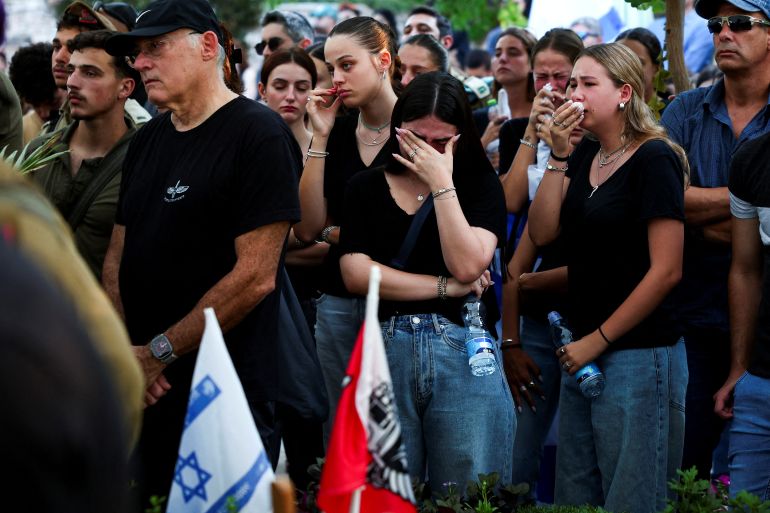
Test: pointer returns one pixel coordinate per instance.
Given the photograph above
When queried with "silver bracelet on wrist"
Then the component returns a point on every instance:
(528, 144)
(441, 287)
(439, 192)
(326, 231)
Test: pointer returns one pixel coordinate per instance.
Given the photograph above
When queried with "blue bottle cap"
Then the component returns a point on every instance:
(553, 317)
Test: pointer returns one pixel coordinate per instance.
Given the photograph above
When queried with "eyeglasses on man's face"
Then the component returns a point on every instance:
(274, 43)
(736, 22)
(154, 48)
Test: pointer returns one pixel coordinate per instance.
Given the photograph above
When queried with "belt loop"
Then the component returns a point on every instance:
(436, 324)
(391, 325)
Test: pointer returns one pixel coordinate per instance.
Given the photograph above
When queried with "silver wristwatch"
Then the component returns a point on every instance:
(161, 348)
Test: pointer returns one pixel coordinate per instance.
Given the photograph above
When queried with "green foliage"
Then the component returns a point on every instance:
(40, 157)
(659, 83)
(511, 15)
(693, 494)
(476, 17)
(657, 5)
(156, 504)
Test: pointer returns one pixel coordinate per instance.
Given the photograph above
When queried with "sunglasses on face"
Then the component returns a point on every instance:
(273, 43)
(737, 23)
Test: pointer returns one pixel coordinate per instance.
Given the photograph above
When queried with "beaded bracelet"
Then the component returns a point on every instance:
(326, 231)
(528, 144)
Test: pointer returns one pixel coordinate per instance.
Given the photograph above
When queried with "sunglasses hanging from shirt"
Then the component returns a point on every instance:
(736, 22)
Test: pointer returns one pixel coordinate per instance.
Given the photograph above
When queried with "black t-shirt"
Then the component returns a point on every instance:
(510, 136)
(343, 162)
(375, 225)
(605, 237)
(750, 190)
(185, 197)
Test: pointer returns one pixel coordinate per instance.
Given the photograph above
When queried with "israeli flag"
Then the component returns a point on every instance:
(222, 465)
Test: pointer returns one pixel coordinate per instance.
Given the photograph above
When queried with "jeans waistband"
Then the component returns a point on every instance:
(412, 320)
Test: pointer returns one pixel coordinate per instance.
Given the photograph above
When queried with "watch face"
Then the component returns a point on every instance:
(160, 347)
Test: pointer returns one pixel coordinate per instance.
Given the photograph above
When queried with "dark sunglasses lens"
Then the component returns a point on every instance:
(739, 23)
(274, 42)
(714, 25)
(260, 47)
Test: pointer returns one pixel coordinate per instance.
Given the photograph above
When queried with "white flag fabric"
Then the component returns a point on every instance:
(221, 461)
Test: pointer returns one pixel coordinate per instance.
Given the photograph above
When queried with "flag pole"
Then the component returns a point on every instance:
(373, 295)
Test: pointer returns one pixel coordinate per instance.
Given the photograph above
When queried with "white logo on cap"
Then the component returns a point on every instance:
(141, 14)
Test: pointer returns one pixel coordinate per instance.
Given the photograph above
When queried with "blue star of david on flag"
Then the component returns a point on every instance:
(221, 462)
(196, 485)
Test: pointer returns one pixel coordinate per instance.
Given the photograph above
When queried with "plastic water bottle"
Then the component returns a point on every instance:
(478, 345)
(589, 378)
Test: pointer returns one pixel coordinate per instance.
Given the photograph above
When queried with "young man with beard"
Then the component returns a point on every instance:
(84, 182)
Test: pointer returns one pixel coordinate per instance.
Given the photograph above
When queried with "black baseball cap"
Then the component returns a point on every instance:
(121, 11)
(164, 16)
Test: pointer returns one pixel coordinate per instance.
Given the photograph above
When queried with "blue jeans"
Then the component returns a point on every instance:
(455, 425)
(750, 437)
(619, 450)
(338, 321)
(532, 427)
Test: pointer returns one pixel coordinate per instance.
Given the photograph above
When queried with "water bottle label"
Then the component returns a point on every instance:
(586, 372)
(479, 345)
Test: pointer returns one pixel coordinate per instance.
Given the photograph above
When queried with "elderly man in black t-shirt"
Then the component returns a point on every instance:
(208, 193)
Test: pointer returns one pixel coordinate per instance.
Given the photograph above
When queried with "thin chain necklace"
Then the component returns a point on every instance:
(377, 129)
(604, 158)
(376, 141)
(599, 182)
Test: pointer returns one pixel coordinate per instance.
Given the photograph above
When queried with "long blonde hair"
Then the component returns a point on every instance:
(624, 67)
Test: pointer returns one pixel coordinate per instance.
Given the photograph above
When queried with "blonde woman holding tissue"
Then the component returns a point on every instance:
(618, 203)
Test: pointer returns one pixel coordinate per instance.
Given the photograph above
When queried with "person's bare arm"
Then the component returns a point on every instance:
(232, 298)
(706, 206)
(111, 268)
(666, 242)
(744, 293)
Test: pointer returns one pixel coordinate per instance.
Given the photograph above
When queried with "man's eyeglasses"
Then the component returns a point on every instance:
(153, 49)
(736, 22)
(274, 43)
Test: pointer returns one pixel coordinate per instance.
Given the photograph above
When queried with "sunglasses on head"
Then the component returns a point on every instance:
(736, 22)
(273, 43)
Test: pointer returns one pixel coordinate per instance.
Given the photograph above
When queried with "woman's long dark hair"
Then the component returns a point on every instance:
(443, 96)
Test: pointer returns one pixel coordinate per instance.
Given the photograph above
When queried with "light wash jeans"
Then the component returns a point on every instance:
(455, 425)
(619, 450)
(532, 427)
(750, 437)
(338, 321)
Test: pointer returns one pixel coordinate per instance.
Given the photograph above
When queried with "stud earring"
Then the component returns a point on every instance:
(622, 106)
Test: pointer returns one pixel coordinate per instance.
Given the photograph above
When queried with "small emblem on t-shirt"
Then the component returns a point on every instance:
(176, 192)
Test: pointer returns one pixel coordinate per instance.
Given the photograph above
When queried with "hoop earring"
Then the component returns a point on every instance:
(622, 106)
